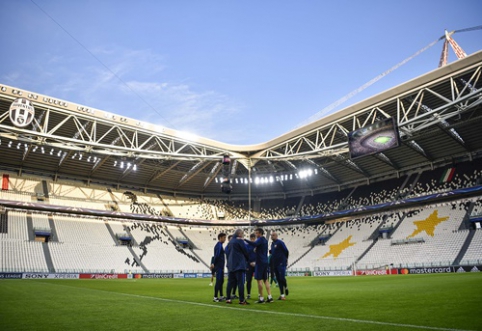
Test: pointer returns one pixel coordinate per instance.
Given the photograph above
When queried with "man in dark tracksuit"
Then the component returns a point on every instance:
(261, 268)
(251, 264)
(237, 257)
(217, 265)
(279, 261)
(226, 250)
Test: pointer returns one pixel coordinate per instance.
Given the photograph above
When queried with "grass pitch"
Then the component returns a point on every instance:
(408, 302)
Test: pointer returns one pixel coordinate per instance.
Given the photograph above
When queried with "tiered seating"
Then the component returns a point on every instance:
(40, 221)
(18, 256)
(15, 196)
(297, 239)
(16, 252)
(473, 255)
(17, 225)
(344, 247)
(440, 249)
(158, 252)
(86, 245)
(204, 239)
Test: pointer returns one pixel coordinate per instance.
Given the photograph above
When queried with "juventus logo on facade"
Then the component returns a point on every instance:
(21, 112)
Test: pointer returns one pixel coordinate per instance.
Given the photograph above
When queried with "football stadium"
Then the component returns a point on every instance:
(109, 222)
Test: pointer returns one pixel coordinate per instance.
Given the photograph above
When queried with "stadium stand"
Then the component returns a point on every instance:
(396, 238)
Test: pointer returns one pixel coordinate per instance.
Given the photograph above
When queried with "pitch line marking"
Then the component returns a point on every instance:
(269, 312)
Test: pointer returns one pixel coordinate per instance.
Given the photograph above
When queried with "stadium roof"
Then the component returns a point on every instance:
(439, 116)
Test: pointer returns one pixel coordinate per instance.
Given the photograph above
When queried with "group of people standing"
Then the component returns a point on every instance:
(248, 258)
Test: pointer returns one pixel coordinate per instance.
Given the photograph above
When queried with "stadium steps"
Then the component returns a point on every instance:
(190, 253)
(133, 240)
(343, 202)
(466, 224)
(302, 256)
(404, 183)
(3, 223)
(300, 204)
(398, 224)
(48, 257)
(199, 258)
(365, 252)
(316, 240)
(375, 233)
(137, 259)
(170, 235)
(191, 243)
(464, 248)
(112, 234)
(411, 187)
(169, 212)
(53, 230)
(31, 235)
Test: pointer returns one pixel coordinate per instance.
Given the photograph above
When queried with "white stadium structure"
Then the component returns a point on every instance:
(87, 191)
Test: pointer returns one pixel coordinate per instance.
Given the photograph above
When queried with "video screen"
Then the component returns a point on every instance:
(374, 138)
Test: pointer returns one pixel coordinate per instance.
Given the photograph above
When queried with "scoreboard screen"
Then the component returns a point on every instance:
(374, 138)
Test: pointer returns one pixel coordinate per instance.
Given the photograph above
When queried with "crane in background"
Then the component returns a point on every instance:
(459, 52)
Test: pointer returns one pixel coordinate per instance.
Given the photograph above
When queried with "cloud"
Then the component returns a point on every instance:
(131, 83)
(205, 113)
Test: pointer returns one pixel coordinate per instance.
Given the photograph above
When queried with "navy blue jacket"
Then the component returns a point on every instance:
(261, 245)
(237, 255)
(252, 253)
(279, 253)
(218, 258)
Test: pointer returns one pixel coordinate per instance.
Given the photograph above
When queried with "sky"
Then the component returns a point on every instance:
(240, 72)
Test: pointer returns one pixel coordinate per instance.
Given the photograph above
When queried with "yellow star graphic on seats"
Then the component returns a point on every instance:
(336, 249)
(428, 225)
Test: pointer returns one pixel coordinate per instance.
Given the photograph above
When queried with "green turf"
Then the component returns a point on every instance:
(383, 139)
(449, 301)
